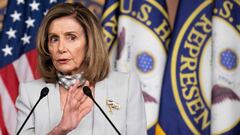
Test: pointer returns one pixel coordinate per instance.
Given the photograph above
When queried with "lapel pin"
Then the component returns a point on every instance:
(112, 105)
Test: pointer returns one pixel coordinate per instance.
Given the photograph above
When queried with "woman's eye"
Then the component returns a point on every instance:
(53, 39)
(71, 37)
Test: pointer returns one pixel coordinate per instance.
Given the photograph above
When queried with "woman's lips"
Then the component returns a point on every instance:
(63, 61)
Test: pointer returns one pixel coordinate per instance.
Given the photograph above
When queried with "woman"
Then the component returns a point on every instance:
(72, 54)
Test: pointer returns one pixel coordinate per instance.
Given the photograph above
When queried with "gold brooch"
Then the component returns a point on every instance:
(112, 105)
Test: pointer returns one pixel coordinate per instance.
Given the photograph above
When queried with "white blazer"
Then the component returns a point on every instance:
(122, 88)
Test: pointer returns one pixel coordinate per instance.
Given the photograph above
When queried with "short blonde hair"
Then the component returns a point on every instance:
(96, 62)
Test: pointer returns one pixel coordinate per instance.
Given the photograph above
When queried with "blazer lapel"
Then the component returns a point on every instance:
(55, 111)
(99, 125)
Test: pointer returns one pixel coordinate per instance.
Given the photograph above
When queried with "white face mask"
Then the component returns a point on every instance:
(69, 80)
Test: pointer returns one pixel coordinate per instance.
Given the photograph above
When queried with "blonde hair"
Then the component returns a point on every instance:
(96, 62)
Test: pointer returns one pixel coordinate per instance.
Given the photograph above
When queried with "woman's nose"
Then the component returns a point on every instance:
(61, 46)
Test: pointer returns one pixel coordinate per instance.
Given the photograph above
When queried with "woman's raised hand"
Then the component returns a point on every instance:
(77, 106)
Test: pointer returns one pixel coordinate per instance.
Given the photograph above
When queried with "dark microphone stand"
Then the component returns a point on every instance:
(88, 92)
(44, 92)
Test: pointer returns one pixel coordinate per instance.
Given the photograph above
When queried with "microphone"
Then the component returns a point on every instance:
(43, 93)
(88, 92)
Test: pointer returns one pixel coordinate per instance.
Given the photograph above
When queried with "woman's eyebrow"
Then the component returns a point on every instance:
(50, 34)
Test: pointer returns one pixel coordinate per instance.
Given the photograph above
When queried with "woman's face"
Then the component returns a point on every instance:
(66, 44)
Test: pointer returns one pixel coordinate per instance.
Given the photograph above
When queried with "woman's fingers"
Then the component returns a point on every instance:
(83, 98)
(86, 83)
(75, 86)
(75, 91)
(76, 95)
(79, 96)
(85, 107)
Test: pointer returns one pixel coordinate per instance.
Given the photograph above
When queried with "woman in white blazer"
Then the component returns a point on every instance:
(72, 54)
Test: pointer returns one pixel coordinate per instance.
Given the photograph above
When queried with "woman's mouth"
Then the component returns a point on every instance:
(63, 61)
